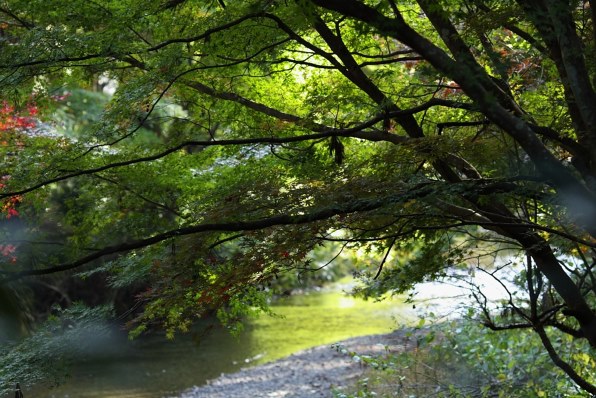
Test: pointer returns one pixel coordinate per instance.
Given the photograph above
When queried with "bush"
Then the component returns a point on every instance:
(464, 359)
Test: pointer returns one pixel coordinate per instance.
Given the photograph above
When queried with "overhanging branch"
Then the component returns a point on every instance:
(233, 226)
(321, 131)
(355, 132)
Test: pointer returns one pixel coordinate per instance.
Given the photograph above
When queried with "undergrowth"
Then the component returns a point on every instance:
(461, 358)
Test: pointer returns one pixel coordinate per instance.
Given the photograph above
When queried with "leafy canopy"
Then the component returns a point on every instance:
(224, 141)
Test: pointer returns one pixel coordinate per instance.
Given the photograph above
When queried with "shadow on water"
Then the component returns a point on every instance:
(153, 366)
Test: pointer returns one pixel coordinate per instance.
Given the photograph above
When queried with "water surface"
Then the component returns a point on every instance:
(154, 367)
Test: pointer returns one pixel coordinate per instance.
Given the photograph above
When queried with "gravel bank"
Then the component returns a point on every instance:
(311, 373)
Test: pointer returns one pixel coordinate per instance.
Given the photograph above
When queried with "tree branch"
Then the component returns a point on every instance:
(354, 132)
(582, 382)
(478, 86)
(302, 217)
(323, 132)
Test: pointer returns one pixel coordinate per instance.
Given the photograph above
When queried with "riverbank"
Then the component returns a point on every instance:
(312, 373)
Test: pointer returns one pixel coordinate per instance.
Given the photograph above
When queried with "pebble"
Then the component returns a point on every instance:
(312, 373)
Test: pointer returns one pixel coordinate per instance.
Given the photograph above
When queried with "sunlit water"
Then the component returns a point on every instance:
(154, 367)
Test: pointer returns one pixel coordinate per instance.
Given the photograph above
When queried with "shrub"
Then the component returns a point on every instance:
(464, 359)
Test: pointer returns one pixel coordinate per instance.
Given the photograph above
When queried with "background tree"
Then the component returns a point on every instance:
(244, 134)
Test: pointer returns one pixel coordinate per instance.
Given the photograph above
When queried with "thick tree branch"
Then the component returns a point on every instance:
(450, 36)
(356, 75)
(518, 31)
(302, 217)
(539, 15)
(513, 326)
(309, 124)
(300, 40)
(580, 201)
(561, 17)
(479, 87)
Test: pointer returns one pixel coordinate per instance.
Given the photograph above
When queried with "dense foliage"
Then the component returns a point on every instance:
(204, 148)
(463, 359)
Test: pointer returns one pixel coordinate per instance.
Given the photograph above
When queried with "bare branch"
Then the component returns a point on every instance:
(385, 257)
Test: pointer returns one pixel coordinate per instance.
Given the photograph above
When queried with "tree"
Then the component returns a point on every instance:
(244, 134)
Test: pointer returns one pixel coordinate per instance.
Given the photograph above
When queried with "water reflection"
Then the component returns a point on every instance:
(154, 367)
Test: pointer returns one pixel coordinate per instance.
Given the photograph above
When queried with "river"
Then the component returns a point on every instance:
(152, 366)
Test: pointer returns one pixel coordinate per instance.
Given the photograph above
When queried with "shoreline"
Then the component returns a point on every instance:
(311, 373)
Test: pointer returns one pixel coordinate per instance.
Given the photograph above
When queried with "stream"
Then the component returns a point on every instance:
(153, 366)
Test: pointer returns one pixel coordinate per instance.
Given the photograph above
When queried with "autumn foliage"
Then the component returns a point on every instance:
(13, 123)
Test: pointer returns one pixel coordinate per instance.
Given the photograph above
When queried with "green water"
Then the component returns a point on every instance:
(154, 367)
